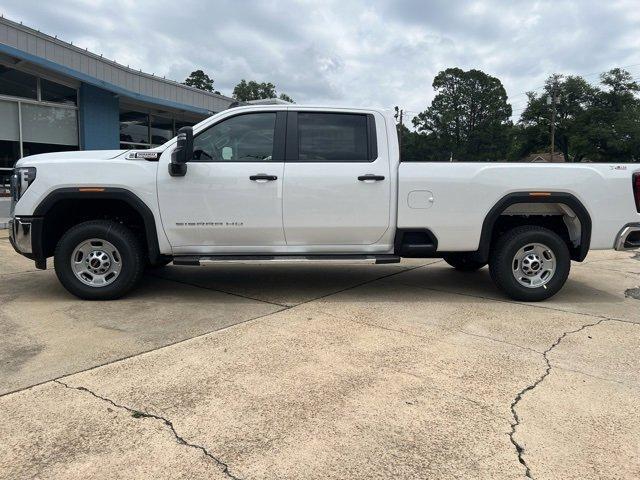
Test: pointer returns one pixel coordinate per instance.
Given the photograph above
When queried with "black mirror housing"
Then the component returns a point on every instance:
(182, 153)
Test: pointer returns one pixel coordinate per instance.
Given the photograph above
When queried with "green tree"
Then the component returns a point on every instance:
(612, 124)
(200, 80)
(574, 99)
(596, 123)
(419, 147)
(252, 90)
(468, 119)
(286, 98)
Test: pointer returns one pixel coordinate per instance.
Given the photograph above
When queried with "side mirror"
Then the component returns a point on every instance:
(182, 153)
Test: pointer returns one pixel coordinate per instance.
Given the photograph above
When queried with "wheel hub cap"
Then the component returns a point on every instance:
(534, 265)
(96, 262)
(531, 264)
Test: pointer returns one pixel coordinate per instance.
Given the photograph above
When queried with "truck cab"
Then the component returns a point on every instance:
(276, 181)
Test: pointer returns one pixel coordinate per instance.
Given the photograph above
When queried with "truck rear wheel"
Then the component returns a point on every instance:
(530, 263)
(463, 262)
(99, 260)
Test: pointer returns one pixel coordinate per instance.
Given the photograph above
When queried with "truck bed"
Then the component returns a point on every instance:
(453, 199)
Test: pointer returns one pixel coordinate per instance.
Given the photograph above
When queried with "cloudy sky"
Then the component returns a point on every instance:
(375, 53)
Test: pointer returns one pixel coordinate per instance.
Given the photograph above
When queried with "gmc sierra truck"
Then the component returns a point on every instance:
(287, 183)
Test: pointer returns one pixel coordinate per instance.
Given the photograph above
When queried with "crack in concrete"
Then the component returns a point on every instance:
(138, 414)
(520, 450)
(601, 318)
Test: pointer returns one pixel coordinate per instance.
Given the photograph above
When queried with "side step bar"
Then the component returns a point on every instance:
(196, 260)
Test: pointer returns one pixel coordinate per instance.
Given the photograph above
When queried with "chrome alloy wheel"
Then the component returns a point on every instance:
(534, 265)
(96, 262)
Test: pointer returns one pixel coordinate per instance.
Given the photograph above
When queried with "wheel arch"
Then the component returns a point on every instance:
(565, 198)
(112, 194)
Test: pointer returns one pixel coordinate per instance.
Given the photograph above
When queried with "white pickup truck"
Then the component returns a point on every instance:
(285, 183)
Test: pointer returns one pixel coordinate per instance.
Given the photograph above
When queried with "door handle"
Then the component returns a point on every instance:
(262, 177)
(371, 177)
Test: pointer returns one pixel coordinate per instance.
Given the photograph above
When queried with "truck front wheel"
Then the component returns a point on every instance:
(530, 263)
(99, 260)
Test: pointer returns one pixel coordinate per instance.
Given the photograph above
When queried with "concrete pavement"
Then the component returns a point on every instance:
(275, 371)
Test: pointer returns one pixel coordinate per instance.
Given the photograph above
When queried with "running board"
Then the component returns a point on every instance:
(209, 259)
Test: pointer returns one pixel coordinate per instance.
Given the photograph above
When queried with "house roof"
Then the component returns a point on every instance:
(558, 157)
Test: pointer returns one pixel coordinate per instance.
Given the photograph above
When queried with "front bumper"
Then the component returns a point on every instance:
(20, 235)
(629, 237)
(25, 235)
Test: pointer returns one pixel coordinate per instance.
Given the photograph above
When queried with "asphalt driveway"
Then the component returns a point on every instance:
(321, 371)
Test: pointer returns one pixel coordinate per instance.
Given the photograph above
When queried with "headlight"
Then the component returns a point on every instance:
(20, 180)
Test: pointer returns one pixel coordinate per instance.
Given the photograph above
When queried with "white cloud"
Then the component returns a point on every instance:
(380, 52)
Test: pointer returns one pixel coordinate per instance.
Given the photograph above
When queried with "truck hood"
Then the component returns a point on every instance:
(70, 156)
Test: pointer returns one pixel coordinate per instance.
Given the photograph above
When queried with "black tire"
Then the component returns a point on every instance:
(463, 262)
(502, 260)
(132, 259)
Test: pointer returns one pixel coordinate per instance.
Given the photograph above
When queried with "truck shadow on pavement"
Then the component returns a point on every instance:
(289, 285)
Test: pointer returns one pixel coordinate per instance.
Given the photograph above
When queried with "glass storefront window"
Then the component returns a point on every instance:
(45, 128)
(9, 134)
(140, 130)
(33, 148)
(180, 124)
(9, 153)
(17, 84)
(9, 128)
(54, 92)
(161, 130)
(134, 127)
(130, 146)
(49, 125)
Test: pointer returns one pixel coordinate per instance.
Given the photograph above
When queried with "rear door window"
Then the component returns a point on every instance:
(333, 137)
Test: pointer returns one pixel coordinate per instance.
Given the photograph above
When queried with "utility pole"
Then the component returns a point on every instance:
(553, 123)
(399, 114)
(401, 131)
(554, 99)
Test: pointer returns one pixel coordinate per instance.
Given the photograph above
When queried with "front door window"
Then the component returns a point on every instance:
(245, 138)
